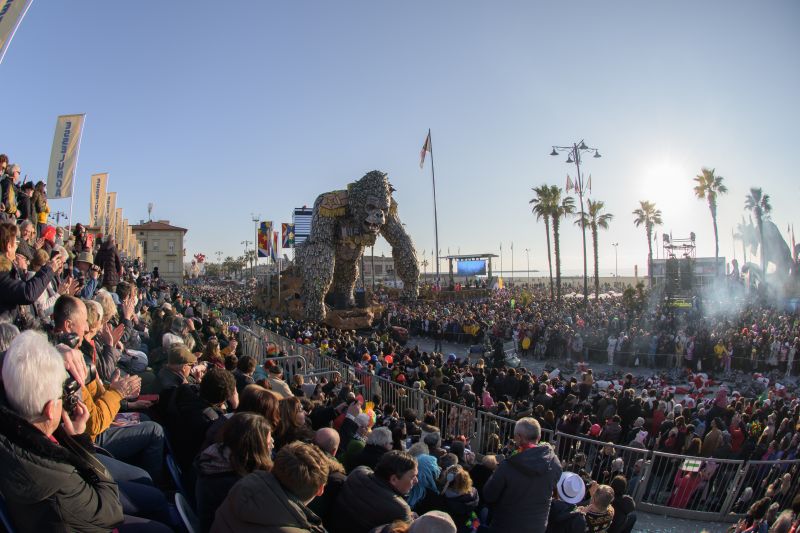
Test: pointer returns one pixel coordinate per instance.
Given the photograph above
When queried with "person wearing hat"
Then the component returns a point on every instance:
(433, 522)
(178, 370)
(275, 379)
(564, 516)
(25, 205)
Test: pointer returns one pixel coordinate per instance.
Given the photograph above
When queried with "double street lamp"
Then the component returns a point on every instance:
(574, 156)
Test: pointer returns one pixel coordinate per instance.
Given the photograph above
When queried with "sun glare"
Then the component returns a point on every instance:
(668, 184)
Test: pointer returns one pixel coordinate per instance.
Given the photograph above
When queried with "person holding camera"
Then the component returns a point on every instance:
(141, 444)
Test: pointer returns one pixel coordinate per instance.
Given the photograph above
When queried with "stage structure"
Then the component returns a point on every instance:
(470, 266)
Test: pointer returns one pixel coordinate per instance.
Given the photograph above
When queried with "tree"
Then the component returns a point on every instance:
(708, 187)
(758, 203)
(650, 217)
(563, 207)
(595, 218)
(543, 209)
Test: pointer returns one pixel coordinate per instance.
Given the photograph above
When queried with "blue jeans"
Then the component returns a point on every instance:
(145, 502)
(141, 445)
(121, 471)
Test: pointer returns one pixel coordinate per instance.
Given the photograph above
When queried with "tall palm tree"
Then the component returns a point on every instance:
(595, 218)
(758, 203)
(708, 187)
(650, 217)
(543, 209)
(746, 233)
(563, 207)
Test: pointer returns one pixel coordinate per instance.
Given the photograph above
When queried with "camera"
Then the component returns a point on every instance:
(72, 389)
(71, 394)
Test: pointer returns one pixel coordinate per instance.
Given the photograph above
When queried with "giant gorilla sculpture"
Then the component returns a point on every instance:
(342, 225)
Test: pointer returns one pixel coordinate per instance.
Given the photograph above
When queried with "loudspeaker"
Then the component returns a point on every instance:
(672, 276)
(687, 274)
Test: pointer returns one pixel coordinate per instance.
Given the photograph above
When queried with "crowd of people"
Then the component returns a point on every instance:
(119, 390)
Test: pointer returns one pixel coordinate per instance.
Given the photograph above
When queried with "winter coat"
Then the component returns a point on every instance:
(623, 506)
(366, 501)
(428, 471)
(258, 503)
(26, 209)
(53, 487)
(520, 490)
(15, 292)
(107, 258)
(565, 518)
(369, 456)
(215, 478)
(9, 195)
(460, 507)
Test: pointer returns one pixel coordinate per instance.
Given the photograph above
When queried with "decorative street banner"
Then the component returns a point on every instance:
(126, 235)
(111, 206)
(274, 250)
(11, 14)
(118, 226)
(64, 156)
(264, 238)
(97, 197)
(287, 232)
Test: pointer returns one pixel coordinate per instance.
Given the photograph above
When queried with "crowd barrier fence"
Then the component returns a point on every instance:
(696, 488)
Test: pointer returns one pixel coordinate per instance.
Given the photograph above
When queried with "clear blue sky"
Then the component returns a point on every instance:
(216, 110)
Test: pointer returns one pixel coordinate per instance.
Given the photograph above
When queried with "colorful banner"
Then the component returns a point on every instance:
(110, 219)
(11, 14)
(274, 251)
(264, 240)
(287, 235)
(97, 197)
(64, 156)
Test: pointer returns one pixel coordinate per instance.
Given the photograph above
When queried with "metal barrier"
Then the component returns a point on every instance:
(674, 485)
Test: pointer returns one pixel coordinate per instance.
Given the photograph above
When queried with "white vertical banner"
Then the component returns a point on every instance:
(125, 234)
(118, 226)
(11, 14)
(64, 156)
(111, 207)
(97, 199)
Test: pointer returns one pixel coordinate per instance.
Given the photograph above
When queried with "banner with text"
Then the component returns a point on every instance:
(11, 14)
(111, 206)
(64, 156)
(118, 226)
(97, 197)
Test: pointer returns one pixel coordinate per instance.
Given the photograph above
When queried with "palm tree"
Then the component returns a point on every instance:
(562, 207)
(758, 203)
(746, 233)
(595, 218)
(648, 215)
(543, 208)
(708, 188)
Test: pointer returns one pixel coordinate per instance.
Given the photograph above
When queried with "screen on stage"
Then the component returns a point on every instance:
(472, 268)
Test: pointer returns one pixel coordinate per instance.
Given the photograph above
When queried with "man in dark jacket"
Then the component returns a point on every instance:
(25, 204)
(277, 500)
(370, 499)
(521, 488)
(108, 259)
(564, 516)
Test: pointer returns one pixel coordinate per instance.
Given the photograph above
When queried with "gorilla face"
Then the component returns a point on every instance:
(376, 210)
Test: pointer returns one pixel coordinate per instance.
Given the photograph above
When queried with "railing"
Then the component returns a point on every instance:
(696, 488)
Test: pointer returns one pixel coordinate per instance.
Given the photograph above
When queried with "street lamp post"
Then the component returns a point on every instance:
(247, 255)
(616, 264)
(528, 262)
(574, 156)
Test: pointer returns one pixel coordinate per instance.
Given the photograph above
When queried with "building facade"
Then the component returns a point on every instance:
(162, 246)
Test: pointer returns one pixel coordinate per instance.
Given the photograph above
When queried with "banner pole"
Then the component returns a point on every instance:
(75, 172)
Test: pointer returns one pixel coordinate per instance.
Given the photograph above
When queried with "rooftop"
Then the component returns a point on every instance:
(158, 225)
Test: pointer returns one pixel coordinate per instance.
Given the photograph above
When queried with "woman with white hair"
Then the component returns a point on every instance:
(50, 483)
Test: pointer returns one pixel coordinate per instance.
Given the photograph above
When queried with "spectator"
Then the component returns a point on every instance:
(599, 513)
(108, 260)
(41, 206)
(370, 499)
(25, 205)
(245, 367)
(292, 424)
(530, 475)
(8, 186)
(379, 441)
(624, 507)
(564, 517)
(276, 382)
(327, 439)
(461, 498)
(277, 500)
(245, 446)
(428, 472)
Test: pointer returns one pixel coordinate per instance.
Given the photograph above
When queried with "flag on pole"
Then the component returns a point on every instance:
(11, 14)
(264, 234)
(97, 196)
(569, 184)
(425, 148)
(111, 207)
(64, 156)
(274, 251)
(287, 231)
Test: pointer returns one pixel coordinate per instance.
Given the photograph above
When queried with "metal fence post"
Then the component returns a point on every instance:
(730, 499)
(641, 487)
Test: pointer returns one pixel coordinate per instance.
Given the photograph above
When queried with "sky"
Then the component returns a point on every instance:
(217, 111)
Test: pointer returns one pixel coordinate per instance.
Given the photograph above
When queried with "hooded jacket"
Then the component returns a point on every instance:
(49, 487)
(258, 503)
(461, 506)
(520, 490)
(366, 502)
(215, 477)
(565, 518)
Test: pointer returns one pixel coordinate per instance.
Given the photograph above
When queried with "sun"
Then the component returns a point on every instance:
(668, 183)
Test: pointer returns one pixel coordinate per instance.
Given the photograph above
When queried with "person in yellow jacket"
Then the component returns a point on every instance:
(40, 206)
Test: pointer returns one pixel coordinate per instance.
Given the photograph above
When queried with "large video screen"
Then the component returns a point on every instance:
(471, 268)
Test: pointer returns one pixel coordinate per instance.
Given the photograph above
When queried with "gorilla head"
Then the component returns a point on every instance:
(370, 201)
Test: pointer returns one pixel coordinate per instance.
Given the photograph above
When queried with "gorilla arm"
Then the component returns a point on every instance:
(403, 253)
(318, 263)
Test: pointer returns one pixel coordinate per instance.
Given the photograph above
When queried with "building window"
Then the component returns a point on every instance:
(156, 245)
(170, 266)
(171, 246)
(144, 247)
(378, 269)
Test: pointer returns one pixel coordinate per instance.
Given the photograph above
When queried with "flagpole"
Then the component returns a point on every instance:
(75, 172)
(435, 215)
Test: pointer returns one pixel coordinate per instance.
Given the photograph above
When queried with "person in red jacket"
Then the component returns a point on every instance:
(683, 488)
